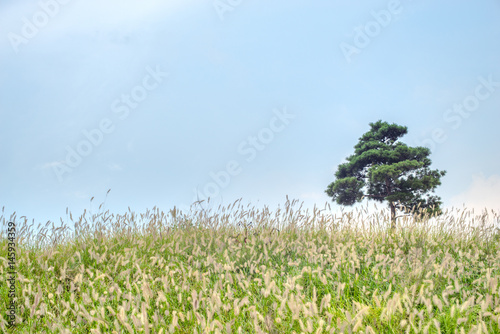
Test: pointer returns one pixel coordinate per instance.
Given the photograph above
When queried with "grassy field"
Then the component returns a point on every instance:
(238, 269)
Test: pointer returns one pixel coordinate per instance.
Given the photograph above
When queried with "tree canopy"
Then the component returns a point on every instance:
(384, 169)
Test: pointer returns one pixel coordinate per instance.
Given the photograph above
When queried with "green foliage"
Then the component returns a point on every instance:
(384, 169)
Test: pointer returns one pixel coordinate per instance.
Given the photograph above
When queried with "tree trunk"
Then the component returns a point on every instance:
(391, 204)
(393, 215)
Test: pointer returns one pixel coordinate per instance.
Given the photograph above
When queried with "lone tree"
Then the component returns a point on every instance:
(385, 169)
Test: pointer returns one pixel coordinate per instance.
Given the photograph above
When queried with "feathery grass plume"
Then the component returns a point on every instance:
(237, 268)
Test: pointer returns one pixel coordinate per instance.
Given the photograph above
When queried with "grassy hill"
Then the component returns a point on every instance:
(239, 269)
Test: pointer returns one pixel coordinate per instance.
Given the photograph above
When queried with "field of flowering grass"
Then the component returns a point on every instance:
(239, 269)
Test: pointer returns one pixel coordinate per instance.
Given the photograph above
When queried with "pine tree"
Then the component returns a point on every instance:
(384, 169)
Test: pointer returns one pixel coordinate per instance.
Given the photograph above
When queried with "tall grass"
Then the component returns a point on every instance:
(239, 269)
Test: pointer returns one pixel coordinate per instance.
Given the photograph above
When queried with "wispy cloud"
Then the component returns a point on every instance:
(109, 14)
(113, 20)
(483, 192)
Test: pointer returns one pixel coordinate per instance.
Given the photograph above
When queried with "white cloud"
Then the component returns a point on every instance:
(85, 17)
(482, 193)
(113, 14)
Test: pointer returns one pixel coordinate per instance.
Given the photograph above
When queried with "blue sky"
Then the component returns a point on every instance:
(156, 99)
